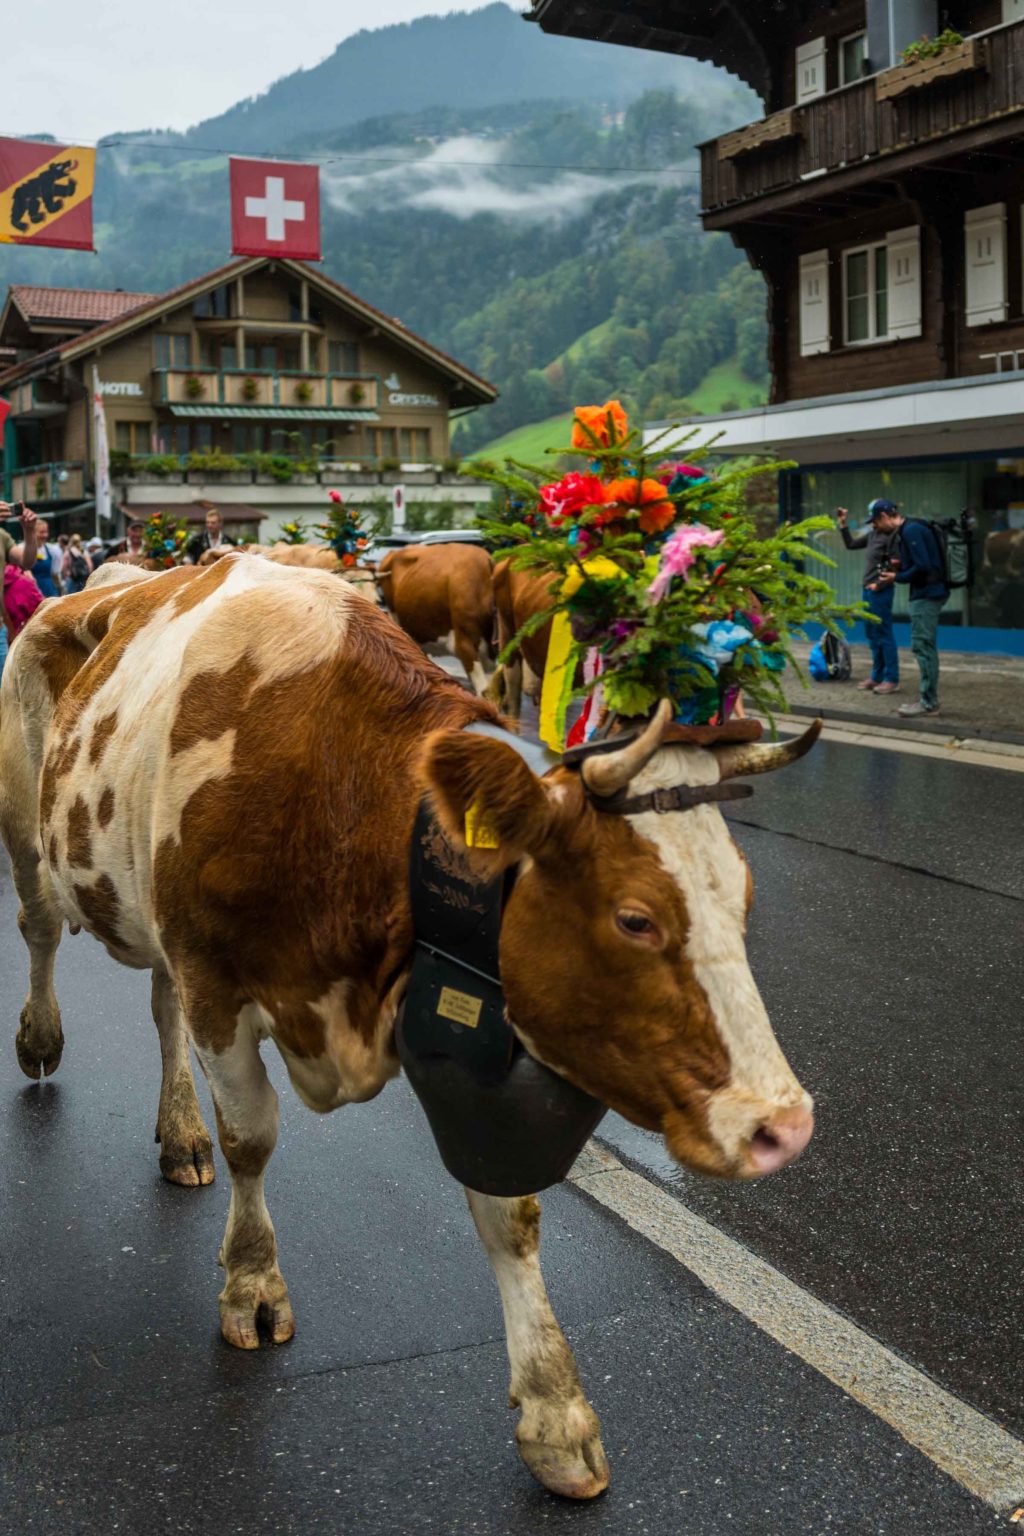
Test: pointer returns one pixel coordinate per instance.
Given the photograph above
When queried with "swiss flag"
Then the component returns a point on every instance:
(275, 209)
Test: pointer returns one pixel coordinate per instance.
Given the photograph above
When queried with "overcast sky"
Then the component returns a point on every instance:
(80, 71)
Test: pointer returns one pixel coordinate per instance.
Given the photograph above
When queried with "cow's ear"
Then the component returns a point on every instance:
(486, 798)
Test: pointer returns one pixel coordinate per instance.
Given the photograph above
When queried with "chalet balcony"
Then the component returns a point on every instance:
(263, 391)
(36, 399)
(899, 119)
(44, 484)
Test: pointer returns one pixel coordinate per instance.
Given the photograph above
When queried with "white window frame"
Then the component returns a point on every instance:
(803, 53)
(849, 38)
(873, 340)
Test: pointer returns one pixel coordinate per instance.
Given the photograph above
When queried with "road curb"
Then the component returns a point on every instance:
(894, 723)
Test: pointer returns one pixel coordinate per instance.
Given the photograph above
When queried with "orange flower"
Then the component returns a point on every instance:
(596, 418)
(645, 496)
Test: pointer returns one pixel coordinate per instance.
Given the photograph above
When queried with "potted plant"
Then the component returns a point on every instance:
(357, 393)
(303, 392)
(195, 387)
(250, 389)
(929, 61)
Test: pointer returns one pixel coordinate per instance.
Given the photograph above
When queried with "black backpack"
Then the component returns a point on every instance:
(78, 570)
(954, 537)
(837, 657)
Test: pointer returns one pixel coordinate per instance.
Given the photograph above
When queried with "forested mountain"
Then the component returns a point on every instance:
(549, 239)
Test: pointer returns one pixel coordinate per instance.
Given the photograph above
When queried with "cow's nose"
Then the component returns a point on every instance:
(781, 1139)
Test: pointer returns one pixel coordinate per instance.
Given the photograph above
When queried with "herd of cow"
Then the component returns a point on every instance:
(451, 595)
(179, 750)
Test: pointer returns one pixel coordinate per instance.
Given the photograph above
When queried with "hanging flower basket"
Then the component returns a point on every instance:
(195, 387)
(250, 390)
(303, 392)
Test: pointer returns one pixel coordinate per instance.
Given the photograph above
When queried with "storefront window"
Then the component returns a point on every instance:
(993, 490)
(415, 444)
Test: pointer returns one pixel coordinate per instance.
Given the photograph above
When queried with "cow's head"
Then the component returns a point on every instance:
(623, 954)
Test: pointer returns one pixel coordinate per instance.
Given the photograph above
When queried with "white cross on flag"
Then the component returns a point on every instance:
(275, 209)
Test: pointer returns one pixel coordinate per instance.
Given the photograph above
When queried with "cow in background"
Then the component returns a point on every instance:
(441, 594)
(518, 596)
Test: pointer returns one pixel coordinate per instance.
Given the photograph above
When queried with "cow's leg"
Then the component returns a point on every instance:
(186, 1151)
(246, 1105)
(469, 649)
(40, 1040)
(559, 1436)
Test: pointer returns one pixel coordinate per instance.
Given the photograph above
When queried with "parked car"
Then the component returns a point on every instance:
(400, 537)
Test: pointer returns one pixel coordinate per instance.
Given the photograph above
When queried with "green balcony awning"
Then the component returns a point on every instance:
(271, 413)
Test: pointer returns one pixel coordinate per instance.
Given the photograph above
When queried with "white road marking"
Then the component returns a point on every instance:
(962, 1442)
(972, 750)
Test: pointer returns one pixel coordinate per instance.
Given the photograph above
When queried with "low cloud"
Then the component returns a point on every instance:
(465, 176)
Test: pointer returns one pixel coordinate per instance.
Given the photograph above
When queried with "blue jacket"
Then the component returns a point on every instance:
(921, 562)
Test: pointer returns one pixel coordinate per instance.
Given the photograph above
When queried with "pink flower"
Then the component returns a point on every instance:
(334, 495)
(678, 555)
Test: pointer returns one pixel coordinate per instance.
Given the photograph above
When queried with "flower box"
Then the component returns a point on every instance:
(962, 58)
(147, 477)
(218, 477)
(777, 129)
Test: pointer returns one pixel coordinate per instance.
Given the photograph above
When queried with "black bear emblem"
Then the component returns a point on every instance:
(48, 190)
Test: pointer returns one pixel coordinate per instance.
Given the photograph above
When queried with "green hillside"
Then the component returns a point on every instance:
(727, 388)
(529, 444)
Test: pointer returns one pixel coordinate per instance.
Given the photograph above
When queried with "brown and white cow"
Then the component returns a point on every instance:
(441, 594)
(216, 772)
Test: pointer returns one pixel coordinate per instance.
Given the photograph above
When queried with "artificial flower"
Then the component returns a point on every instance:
(590, 425)
(721, 640)
(334, 495)
(678, 555)
(645, 496)
(564, 501)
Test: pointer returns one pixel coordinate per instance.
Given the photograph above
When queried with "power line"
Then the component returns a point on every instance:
(368, 159)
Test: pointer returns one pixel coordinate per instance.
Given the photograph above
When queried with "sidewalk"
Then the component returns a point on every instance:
(979, 695)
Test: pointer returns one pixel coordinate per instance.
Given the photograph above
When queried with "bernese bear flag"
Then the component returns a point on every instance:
(46, 194)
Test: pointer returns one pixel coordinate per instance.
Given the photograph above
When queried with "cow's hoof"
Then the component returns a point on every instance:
(241, 1327)
(31, 1063)
(574, 1468)
(187, 1160)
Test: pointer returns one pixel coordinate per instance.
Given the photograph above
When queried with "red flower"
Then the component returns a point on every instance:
(334, 495)
(564, 502)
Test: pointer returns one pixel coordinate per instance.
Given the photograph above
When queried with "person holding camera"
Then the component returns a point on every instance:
(21, 557)
(881, 549)
(922, 566)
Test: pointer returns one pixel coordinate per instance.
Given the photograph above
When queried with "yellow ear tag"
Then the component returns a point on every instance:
(480, 829)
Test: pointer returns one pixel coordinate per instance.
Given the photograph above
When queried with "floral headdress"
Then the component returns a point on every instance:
(662, 585)
(343, 530)
(163, 538)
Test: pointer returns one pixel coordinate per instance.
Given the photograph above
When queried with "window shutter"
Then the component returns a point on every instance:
(985, 264)
(810, 70)
(1013, 10)
(814, 324)
(904, 281)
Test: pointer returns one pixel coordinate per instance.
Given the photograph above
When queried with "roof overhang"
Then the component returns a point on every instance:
(963, 417)
(297, 413)
(739, 35)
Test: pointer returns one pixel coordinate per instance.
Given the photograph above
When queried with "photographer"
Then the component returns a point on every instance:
(881, 550)
(26, 559)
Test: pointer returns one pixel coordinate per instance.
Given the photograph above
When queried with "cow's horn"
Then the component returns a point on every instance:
(751, 757)
(607, 774)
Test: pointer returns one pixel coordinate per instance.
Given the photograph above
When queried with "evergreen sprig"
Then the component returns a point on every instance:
(727, 623)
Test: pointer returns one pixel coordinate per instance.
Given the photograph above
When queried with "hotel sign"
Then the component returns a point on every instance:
(395, 398)
(122, 389)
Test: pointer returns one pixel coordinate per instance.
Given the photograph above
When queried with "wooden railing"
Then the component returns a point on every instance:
(260, 389)
(867, 120)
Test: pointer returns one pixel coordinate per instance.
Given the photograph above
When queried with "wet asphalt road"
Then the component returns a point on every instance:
(896, 994)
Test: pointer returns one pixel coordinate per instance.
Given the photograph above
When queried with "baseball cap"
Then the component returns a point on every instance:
(880, 505)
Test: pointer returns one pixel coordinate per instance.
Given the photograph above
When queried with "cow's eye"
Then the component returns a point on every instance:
(637, 925)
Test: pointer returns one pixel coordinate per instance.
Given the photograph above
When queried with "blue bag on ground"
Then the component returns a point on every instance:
(830, 660)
